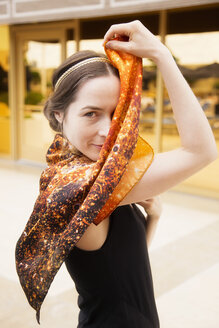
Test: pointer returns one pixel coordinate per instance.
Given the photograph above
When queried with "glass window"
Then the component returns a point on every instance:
(95, 45)
(71, 43)
(147, 115)
(40, 60)
(197, 56)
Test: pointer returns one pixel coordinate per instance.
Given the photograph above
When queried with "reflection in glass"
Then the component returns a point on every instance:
(70, 43)
(95, 45)
(40, 60)
(147, 115)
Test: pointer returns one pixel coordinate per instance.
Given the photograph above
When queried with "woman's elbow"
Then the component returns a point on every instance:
(214, 155)
(210, 155)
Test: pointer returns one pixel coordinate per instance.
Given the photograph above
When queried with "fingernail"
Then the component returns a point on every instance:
(108, 45)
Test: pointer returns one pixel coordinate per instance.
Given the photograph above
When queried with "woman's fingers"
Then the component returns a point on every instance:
(118, 29)
(147, 203)
(152, 206)
(119, 45)
(141, 42)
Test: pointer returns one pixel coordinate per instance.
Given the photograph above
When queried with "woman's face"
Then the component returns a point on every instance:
(88, 118)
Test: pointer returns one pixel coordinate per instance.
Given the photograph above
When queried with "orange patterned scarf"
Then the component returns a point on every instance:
(75, 191)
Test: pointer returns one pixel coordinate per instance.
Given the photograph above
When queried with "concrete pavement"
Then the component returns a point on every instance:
(184, 259)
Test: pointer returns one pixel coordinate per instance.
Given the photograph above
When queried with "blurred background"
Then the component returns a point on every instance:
(35, 37)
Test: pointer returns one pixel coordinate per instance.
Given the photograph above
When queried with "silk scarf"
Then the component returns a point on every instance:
(75, 191)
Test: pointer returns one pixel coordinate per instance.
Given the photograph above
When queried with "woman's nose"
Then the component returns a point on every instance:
(104, 127)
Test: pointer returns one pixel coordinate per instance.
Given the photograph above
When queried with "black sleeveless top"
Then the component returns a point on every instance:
(114, 282)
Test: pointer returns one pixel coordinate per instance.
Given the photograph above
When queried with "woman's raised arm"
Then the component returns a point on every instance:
(198, 147)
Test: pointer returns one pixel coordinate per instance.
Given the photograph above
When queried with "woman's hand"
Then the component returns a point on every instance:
(153, 208)
(141, 42)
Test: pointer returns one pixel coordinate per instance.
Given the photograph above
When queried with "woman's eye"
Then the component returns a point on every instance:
(90, 114)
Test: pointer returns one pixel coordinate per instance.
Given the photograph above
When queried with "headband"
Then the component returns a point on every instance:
(82, 63)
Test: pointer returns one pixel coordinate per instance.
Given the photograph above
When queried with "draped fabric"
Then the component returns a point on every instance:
(75, 191)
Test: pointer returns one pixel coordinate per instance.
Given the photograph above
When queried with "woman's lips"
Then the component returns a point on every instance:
(98, 146)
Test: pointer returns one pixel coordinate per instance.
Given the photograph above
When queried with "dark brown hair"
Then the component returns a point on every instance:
(66, 92)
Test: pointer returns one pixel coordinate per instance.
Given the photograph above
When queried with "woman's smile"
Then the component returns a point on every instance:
(98, 146)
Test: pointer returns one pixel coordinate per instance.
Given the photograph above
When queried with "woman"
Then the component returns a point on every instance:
(110, 264)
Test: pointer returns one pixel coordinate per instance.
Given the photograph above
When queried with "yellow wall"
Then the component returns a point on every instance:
(4, 46)
(4, 109)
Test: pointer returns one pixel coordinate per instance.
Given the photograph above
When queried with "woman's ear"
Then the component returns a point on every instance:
(59, 116)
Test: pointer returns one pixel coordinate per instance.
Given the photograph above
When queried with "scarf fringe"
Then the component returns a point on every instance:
(38, 316)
